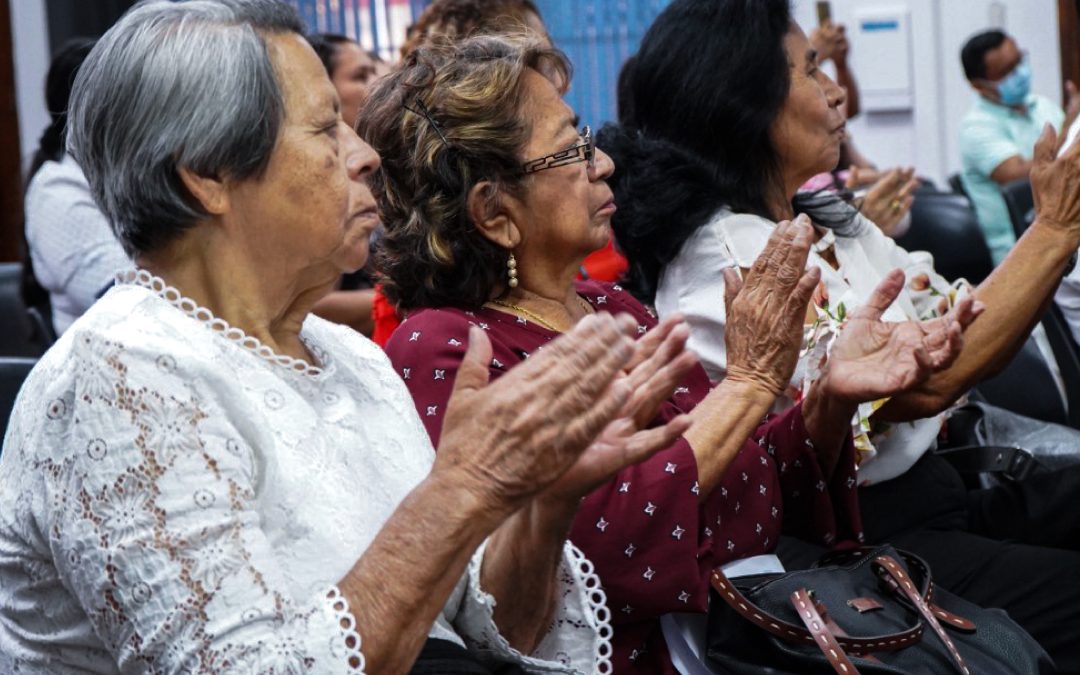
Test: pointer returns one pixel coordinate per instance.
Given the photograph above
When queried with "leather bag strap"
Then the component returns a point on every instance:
(954, 621)
(799, 634)
(823, 637)
(887, 565)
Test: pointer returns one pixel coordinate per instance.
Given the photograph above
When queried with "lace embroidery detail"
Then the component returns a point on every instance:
(140, 277)
(348, 636)
(594, 592)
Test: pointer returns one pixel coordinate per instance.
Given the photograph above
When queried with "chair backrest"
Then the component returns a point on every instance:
(13, 372)
(1021, 204)
(17, 335)
(945, 225)
(956, 183)
(44, 332)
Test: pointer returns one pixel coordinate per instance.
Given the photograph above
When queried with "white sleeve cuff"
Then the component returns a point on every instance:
(579, 639)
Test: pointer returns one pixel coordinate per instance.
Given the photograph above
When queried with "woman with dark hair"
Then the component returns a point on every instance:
(731, 114)
(491, 199)
(72, 252)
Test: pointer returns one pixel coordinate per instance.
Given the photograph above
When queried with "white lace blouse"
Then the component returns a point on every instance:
(176, 498)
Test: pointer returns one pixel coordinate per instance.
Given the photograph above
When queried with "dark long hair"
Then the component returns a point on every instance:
(695, 111)
(58, 82)
(65, 65)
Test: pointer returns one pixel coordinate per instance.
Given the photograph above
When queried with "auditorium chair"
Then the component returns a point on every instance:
(13, 371)
(944, 224)
(1021, 204)
(957, 185)
(17, 337)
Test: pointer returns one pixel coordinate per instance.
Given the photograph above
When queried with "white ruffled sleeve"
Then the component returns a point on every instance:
(579, 639)
(693, 283)
(150, 490)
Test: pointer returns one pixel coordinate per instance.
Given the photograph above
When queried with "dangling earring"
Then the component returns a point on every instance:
(511, 271)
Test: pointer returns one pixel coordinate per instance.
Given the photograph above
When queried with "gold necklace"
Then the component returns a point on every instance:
(535, 317)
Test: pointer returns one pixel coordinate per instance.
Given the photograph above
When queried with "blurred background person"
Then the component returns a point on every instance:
(73, 252)
(458, 19)
(998, 134)
(352, 70)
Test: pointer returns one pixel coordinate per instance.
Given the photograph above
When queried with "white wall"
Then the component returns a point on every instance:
(926, 137)
(30, 33)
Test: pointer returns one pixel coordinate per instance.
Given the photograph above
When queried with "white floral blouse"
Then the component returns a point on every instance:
(174, 497)
(694, 285)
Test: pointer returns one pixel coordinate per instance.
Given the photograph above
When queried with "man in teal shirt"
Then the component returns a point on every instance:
(997, 136)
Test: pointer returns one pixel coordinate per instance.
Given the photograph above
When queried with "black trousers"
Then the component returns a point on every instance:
(442, 657)
(1015, 546)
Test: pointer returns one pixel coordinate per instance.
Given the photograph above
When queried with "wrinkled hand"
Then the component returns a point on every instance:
(830, 41)
(874, 359)
(1055, 183)
(508, 440)
(659, 364)
(765, 312)
(890, 199)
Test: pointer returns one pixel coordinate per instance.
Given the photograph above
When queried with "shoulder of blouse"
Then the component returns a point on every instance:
(615, 297)
(431, 319)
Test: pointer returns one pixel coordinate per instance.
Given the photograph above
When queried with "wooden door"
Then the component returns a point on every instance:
(11, 211)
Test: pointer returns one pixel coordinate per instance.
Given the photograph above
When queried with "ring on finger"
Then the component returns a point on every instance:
(895, 205)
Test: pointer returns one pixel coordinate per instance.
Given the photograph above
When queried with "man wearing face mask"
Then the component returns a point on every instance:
(998, 134)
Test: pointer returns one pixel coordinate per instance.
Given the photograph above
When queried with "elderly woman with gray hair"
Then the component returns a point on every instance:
(202, 477)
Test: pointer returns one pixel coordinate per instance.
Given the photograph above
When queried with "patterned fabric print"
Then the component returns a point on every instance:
(174, 499)
(652, 543)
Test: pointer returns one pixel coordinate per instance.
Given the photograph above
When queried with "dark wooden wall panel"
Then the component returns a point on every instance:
(1069, 30)
(11, 214)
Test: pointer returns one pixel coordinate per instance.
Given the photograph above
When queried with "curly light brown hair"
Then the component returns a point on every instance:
(451, 117)
(459, 19)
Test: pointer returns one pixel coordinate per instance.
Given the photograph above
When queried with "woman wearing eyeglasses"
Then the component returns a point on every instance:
(491, 198)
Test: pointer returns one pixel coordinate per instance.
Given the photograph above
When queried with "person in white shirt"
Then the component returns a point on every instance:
(712, 156)
(200, 476)
(73, 251)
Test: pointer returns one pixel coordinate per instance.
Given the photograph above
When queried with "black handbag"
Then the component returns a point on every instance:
(870, 610)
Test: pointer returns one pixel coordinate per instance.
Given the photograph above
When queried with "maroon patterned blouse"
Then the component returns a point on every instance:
(653, 544)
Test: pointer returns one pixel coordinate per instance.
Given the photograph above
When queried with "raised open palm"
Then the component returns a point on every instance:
(874, 359)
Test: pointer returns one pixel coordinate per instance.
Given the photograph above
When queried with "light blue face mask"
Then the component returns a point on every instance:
(1015, 88)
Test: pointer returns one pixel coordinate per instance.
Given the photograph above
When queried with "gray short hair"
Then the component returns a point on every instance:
(176, 84)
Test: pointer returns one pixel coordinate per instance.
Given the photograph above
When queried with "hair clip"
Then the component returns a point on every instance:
(422, 110)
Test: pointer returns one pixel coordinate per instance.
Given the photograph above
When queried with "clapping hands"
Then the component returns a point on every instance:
(568, 418)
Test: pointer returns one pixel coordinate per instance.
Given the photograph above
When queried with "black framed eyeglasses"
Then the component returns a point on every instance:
(584, 152)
